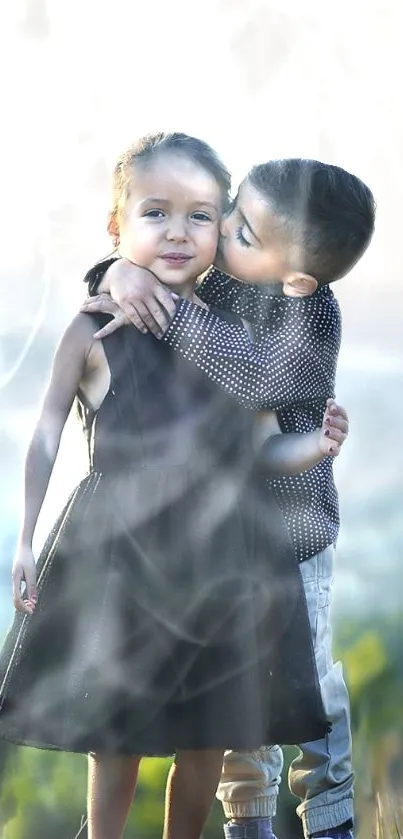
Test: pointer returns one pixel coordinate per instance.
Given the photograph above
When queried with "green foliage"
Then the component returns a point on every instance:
(364, 662)
(41, 793)
(147, 814)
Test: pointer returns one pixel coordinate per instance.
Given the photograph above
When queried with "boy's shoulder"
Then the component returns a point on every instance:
(316, 316)
(271, 305)
(314, 305)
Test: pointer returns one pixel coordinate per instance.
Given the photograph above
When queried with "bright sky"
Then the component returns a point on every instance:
(256, 79)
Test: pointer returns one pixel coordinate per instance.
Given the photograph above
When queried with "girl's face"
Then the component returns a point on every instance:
(170, 223)
(253, 246)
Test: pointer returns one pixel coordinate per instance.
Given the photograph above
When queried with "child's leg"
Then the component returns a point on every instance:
(248, 790)
(111, 784)
(322, 775)
(190, 791)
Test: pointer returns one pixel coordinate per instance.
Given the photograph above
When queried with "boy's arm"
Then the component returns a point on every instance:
(146, 293)
(292, 361)
(144, 301)
(151, 305)
(290, 454)
(67, 371)
(224, 292)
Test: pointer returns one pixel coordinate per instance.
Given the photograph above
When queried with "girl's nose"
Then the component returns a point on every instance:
(177, 230)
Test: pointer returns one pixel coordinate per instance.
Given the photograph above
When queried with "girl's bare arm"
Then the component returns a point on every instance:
(67, 371)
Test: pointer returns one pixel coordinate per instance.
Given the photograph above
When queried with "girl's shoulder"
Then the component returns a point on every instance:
(80, 330)
(77, 342)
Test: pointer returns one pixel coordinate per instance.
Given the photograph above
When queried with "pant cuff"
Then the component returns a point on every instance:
(325, 817)
(264, 807)
(252, 829)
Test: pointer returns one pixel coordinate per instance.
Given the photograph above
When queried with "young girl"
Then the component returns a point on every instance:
(164, 597)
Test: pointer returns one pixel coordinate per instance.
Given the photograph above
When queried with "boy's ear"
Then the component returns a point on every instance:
(113, 228)
(297, 284)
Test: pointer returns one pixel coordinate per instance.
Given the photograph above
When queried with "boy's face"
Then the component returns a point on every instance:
(253, 246)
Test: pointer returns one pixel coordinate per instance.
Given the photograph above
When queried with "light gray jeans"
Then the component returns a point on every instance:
(321, 776)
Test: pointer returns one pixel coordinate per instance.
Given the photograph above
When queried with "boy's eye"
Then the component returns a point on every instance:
(154, 214)
(241, 238)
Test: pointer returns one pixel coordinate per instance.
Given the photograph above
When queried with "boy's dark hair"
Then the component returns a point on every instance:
(147, 149)
(328, 213)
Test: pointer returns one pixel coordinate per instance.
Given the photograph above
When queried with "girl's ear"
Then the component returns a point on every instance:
(297, 284)
(113, 228)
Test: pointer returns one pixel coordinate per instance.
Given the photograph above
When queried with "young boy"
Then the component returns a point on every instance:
(295, 227)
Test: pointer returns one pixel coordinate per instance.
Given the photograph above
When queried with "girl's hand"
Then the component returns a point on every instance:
(24, 570)
(334, 429)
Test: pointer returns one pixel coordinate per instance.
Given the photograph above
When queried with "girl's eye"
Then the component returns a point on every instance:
(200, 216)
(154, 214)
(241, 238)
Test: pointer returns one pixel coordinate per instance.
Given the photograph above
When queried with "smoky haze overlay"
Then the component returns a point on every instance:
(256, 80)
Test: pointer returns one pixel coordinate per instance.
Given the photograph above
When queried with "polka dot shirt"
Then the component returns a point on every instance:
(289, 367)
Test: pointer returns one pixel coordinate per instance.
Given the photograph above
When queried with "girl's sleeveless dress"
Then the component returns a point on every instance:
(171, 613)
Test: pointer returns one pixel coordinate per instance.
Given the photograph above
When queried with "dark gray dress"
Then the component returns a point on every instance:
(171, 613)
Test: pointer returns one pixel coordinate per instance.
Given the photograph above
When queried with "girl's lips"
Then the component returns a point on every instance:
(176, 258)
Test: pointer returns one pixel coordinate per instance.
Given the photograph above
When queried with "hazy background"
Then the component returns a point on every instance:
(79, 81)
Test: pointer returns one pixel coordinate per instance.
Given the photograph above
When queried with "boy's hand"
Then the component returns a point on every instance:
(146, 302)
(104, 303)
(334, 429)
(24, 570)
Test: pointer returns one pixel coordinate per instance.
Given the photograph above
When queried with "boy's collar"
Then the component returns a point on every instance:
(269, 290)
